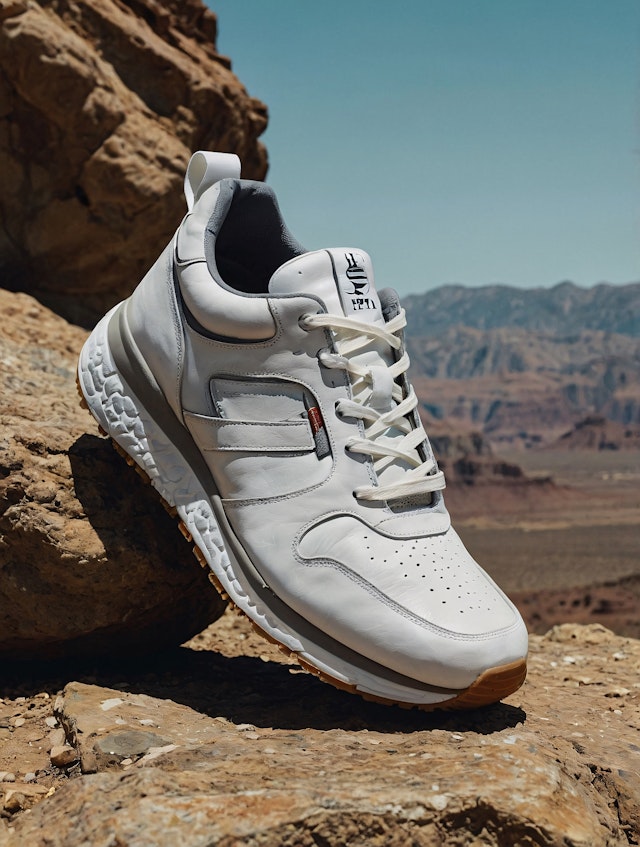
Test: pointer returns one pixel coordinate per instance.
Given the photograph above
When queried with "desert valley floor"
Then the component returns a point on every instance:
(569, 551)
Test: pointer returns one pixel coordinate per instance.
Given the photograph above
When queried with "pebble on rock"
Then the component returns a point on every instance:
(63, 755)
(14, 802)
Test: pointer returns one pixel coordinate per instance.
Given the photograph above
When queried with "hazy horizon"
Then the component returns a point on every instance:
(549, 287)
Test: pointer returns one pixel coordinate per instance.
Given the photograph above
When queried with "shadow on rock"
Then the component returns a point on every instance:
(124, 511)
(146, 563)
(249, 690)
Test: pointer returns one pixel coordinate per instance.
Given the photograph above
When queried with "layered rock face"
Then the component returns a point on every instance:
(525, 386)
(101, 104)
(523, 366)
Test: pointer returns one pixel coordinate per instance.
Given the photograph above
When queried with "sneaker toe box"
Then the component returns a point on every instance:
(419, 605)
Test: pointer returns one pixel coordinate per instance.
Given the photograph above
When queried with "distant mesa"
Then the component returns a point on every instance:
(524, 366)
(479, 480)
(597, 433)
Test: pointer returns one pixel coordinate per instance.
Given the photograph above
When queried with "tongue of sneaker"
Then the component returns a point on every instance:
(341, 277)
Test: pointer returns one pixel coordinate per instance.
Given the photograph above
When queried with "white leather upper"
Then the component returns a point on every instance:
(160, 341)
(397, 586)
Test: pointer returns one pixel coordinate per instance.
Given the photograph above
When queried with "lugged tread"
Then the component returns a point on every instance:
(184, 530)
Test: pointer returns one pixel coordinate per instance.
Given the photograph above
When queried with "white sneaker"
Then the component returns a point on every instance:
(263, 390)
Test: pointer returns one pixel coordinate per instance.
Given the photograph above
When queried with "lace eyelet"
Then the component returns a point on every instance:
(303, 322)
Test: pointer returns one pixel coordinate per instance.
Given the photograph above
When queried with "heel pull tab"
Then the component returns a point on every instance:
(206, 168)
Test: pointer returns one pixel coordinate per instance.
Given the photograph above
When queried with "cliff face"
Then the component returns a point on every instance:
(101, 104)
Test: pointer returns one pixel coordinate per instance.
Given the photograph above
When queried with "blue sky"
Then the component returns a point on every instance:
(466, 141)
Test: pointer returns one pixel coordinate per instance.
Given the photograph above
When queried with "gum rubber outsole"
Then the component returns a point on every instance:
(490, 687)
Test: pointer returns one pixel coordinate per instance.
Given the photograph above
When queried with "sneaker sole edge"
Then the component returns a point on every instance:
(132, 439)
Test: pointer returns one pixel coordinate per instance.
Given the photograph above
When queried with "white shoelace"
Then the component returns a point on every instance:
(379, 401)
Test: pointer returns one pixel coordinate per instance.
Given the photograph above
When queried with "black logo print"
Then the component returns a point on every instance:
(357, 276)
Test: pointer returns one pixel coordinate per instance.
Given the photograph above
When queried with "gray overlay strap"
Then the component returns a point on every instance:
(250, 436)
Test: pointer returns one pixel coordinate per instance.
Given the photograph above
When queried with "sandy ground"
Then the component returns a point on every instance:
(572, 552)
(587, 532)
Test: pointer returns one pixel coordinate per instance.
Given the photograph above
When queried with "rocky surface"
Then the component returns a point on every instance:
(89, 560)
(101, 104)
(227, 743)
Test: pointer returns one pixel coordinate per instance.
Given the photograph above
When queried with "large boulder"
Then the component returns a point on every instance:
(101, 104)
(89, 560)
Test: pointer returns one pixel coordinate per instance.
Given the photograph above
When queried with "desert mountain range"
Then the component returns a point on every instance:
(565, 308)
(525, 366)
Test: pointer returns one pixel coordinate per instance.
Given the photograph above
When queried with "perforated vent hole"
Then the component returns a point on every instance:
(447, 576)
(367, 547)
